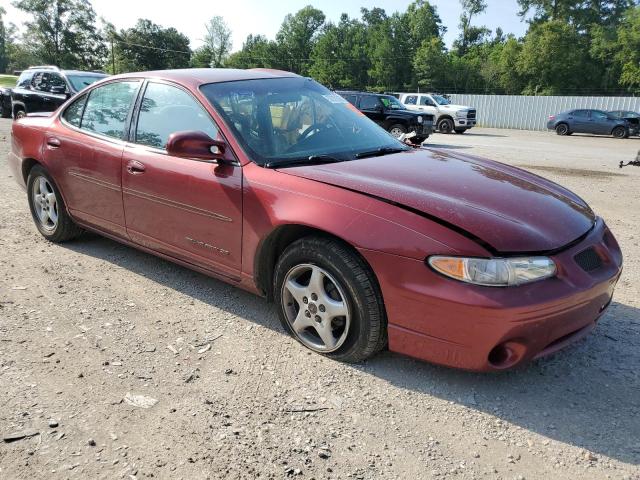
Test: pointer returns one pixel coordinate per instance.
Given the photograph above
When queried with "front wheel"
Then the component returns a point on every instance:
(460, 131)
(329, 300)
(445, 126)
(18, 114)
(48, 209)
(620, 132)
(397, 130)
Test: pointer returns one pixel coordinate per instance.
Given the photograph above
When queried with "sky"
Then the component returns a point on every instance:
(246, 17)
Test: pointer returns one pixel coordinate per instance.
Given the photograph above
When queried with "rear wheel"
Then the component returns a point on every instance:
(397, 130)
(19, 113)
(562, 129)
(48, 209)
(4, 112)
(620, 132)
(329, 300)
(445, 125)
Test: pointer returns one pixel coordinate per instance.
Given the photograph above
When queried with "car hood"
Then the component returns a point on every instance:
(507, 209)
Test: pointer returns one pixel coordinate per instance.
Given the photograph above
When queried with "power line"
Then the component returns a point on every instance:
(150, 47)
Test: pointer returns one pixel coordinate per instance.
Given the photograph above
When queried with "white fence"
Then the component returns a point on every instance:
(531, 113)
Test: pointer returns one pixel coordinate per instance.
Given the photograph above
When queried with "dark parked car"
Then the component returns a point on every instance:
(44, 89)
(388, 112)
(588, 121)
(632, 118)
(271, 182)
(5, 102)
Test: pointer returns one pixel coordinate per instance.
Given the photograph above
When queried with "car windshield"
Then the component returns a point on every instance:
(441, 100)
(393, 103)
(79, 81)
(283, 120)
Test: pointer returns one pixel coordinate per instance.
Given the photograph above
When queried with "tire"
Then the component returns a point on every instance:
(460, 131)
(45, 203)
(346, 284)
(397, 129)
(620, 132)
(562, 129)
(19, 113)
(445, 126)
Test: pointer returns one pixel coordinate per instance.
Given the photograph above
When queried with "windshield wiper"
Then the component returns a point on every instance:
(381, 151)
(310, 160)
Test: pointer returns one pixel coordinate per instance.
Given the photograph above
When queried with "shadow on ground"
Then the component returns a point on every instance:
(587, 396)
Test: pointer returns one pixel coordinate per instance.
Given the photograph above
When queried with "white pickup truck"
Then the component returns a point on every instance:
(448, 118)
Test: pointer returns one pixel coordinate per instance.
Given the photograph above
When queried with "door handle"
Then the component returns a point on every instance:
(53, 142)
(135, 168)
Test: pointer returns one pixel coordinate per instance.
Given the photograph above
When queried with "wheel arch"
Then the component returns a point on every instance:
(27, 166)
(277, 241)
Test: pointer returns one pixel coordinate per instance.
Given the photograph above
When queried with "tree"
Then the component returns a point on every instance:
(424, 21)
(201, 57)
(470, 35)
(552, 59)
(63, 33)
(432, 65)
(148, 46)
(628, 55)
(339, 56)
(257, 52)
(217, 41)
(298, 35)
(4, 40)
(579, 13)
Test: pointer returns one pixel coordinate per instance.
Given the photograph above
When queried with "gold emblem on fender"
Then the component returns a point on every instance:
(222, 251)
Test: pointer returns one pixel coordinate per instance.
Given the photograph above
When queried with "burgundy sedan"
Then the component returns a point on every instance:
(269, 181)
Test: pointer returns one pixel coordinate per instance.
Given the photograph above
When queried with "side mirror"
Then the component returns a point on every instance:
(196, 145)
(58, 89)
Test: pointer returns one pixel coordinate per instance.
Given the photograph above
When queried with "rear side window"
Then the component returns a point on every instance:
(581, 113)
(24, 80)
(352, 99)
(410, 100)
(108, 107)
(167, 109)
(369, 102)
(73, 113)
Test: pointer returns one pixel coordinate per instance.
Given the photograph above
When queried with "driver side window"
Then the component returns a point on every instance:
(167, 109)
(427, 102)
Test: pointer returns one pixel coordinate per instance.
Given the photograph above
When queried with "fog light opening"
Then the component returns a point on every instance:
(505, 355)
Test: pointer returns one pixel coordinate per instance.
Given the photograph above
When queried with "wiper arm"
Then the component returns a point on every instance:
(381, 151)
(310, 160)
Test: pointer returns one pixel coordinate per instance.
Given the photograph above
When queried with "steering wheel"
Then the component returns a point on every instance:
(312, 130)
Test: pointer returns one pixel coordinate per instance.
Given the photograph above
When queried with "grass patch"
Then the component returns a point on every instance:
(8, 80)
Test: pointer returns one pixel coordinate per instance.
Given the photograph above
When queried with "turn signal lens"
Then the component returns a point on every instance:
(494, 272)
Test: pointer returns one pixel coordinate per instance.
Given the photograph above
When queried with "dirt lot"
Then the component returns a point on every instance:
(85, 324)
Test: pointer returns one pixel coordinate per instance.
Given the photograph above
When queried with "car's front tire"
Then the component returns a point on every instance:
(329, 300)
(446, 126)
(620, 132)
(397, 130)
(562, 129)
(48, 209)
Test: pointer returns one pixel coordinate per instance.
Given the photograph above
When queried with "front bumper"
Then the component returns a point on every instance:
(443, 321)
(465, 122)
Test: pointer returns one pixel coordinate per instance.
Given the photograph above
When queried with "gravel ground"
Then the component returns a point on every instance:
(92, 331)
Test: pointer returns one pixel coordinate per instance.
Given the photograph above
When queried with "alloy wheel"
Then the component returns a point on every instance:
(45, 203)
(316, 308)
(396, 132)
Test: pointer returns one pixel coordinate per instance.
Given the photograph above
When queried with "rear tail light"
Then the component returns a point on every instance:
(552, 117)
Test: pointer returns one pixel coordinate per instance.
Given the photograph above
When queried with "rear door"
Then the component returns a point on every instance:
(579, 121)
(85, 152)
(184, 208)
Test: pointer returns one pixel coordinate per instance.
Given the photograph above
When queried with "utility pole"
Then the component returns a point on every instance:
(113, 59)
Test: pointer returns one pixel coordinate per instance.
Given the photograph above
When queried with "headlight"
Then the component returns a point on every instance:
(494, 272)
(419, 118)
(461, 114)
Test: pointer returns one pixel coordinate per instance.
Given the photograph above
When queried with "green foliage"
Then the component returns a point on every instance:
(217, 42)
(297, 37)
(63, 33)
(148, 46)
(628, 55)
(8, 80)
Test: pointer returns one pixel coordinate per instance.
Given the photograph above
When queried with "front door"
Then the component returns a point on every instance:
(371, 106)
(187, 209)
(92, 133)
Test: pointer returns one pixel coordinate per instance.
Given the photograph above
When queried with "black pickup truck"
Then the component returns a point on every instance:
(44, 89)
(389, 113)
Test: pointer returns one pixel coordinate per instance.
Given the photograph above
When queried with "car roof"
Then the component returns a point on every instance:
(354, 92)
(201, 76)
(87, 74)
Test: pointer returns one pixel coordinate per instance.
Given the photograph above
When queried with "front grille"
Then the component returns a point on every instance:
(471, 114)
(588, 260)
